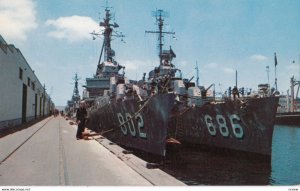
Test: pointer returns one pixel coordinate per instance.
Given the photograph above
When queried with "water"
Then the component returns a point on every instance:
(285, 156)
(213, 168)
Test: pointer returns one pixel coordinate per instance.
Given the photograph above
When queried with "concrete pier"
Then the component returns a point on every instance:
(48, 154)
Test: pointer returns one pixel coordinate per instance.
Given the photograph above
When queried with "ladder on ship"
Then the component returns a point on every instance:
(179, 134)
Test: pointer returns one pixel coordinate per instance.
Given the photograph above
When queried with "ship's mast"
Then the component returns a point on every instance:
(108, 29)
(268, 73)
(76, 91)
(108, 33)
(159, 15)
(197, 74)
(275, 60)
(236, 78)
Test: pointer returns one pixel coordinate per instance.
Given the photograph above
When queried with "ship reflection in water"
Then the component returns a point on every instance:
(216, 168)
(199, 167)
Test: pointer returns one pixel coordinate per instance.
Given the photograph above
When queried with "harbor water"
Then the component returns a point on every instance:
(203, 167)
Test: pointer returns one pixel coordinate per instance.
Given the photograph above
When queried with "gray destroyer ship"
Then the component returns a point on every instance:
(165, 108)
(243, 124)
(123, 110)
(73, 104)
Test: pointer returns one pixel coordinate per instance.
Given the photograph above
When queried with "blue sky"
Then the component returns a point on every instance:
(221, 35)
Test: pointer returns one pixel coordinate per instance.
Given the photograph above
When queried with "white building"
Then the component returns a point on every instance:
(22, 96)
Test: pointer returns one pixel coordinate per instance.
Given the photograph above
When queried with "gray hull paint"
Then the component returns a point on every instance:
(144, 129)
(231, 125)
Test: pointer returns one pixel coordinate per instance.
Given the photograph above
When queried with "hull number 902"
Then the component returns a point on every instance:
(222, 126)
(135, 125)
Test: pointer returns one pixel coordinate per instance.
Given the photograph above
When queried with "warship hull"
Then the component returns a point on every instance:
(134, 124)
(230, 125)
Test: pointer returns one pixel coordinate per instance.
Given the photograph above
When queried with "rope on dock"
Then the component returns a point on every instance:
(106, 131)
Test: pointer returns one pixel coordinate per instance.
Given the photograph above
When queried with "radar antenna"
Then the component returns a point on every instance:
(160, 15)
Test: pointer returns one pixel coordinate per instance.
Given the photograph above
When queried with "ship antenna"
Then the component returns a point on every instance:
(197, 74)
(299, 67)
(268, 71)
(275, 60)
(106, 4)
(75, 91)
(160, 15)
(76, 96)
(236, 78)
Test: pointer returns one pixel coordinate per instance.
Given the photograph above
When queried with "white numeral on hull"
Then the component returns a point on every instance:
(237, 128)
(223, 127)
(130, 123)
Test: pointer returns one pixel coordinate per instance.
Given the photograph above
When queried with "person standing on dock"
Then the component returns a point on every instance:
(81, 115)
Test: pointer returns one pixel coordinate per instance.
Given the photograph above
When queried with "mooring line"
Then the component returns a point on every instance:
(24, 142)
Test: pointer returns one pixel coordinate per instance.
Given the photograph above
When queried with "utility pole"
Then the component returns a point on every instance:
(292, 94)
(44, 100)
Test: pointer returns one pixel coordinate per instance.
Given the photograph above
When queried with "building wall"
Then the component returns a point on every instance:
(12, 63)
(11, 89)
(285, 104)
